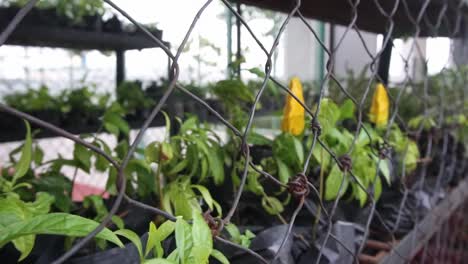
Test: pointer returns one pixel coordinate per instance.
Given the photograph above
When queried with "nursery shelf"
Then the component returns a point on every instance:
(12, 129)
(416, 239)
(70, 38)
(369, 17)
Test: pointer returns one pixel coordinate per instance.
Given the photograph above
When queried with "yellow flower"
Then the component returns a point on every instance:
(294, 113)
(379, 110)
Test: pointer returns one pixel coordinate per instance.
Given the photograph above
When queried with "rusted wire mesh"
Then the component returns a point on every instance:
(437, 145)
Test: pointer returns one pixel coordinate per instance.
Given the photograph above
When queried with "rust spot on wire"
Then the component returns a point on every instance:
(298, 186)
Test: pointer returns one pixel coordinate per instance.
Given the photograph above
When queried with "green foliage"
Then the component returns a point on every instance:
(366, 166)
(74, 10)
(238, 238)
(195, 152)
(20, 221)
(236, 98)
(33, 100)
(131, 97)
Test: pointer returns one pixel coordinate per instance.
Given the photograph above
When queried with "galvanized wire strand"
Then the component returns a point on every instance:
(75, 248)
(446, 167)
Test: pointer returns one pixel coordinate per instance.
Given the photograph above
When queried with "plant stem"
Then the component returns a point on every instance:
(319, 209)
(160, 185)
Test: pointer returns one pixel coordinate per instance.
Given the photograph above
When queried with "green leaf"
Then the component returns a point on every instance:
(183, 236)
(283, 171)
(385, 169)
(97, 203)
(119, 223)
(166, 229)
(178, 167)
(272, 205)
(215, 159)
(166, 154)
(145, 178)
(299, 150)
(286, 149)
(347, 110)
(233, 232)
(202, 239)
(152, 152)
(158, 261)
(24, 245)
(111, 128)
(168, 125)
(246, 238)
(152, 240)
(115, 124)
(133, 237)
(321, 156)
(174, 256)
(205, 194)
(333, 182)
(24, 162)
(13, 210)
(38, 155)
(219, 256)
(360, 194)
(189, 124)
(83, 156)
(328, 115)
(411, 156)
(201, 233)
(257, 139)
(182, 205)
(377, 189)
(55, 224)
(257, 72)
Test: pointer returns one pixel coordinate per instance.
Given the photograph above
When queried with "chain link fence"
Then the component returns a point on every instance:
(378, 232)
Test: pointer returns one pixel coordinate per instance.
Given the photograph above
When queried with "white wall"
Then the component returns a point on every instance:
(351, 54)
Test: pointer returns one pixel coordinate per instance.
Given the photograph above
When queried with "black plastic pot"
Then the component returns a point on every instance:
(112, 25)
(92, 23)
